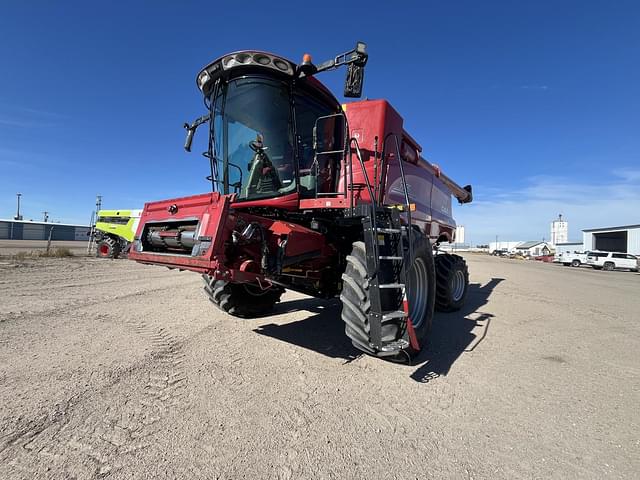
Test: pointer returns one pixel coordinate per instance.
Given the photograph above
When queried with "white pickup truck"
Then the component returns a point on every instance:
(575, 259)
(612, 260)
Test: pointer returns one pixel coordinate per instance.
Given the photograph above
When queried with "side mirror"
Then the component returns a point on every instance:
(355, 72)
(329, 134)
(353, 81)
(189, 139)
(191, 129)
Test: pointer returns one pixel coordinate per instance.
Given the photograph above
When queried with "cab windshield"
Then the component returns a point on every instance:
(253, 138)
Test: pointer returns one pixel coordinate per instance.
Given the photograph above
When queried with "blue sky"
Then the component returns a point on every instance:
(537, 104)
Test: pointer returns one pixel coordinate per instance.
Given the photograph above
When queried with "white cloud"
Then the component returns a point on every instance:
(43, 113)
(526, 213)
(628, 174)
(16, 122)
(534, 87)
(19, 117)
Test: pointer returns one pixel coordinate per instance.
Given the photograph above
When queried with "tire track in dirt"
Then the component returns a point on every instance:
(297, 417)
(73, 306)
(88, 437)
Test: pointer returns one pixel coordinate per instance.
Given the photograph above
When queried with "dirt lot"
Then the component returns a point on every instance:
(118, 370)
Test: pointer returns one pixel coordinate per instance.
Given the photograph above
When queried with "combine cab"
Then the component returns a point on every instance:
(313, 196)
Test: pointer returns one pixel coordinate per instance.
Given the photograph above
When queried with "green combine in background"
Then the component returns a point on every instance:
(114, 232)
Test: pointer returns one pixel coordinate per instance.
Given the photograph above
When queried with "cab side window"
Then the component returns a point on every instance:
(314, 177)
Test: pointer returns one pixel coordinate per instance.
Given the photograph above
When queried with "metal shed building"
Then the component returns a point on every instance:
(27, 230)
(625, 239)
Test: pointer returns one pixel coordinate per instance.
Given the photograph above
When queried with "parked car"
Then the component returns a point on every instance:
(575, 259)
(500, 253)
(612, 260)
(544, 258)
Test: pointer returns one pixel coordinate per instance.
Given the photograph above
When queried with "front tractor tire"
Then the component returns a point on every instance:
(241, 299)
(108, 247)
(356, 302)
(452, 282)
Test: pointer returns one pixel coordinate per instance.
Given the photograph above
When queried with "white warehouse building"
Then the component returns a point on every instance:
(625, 239)
(459, 234)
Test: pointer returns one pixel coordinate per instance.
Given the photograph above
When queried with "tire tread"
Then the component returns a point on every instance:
(233, 298)
(445, 265)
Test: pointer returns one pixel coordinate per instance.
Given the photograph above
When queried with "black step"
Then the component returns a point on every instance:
(392, 348)
(392, 315)
(390, 257)
(402, 208)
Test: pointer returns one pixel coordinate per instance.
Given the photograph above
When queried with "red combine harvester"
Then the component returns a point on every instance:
(312, 196)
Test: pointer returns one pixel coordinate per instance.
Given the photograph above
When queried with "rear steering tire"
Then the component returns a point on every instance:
(608, 266)
(356, 303)
(241, 299)
(108, 247)
(452, 282)
(575, 263)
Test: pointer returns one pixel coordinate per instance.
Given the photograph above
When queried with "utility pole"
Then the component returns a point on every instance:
(18, 216)
(94, 218)
(497, 248)
(46, 216)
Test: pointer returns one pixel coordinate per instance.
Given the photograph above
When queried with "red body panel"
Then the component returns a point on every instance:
(211, 210)
(369, 119)
(288, 202)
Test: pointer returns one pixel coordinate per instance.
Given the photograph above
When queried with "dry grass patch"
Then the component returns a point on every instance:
(58, 252)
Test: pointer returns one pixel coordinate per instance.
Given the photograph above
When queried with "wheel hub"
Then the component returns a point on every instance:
(458, 283)
(417, 292)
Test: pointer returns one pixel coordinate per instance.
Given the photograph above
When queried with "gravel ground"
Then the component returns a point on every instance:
(117, 370)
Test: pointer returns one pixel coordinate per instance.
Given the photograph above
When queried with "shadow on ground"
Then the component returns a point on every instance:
(452, 333)
(322, 331)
